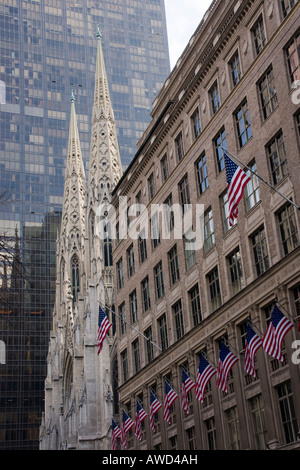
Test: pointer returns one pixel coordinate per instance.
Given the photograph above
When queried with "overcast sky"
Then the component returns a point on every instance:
(183, 17)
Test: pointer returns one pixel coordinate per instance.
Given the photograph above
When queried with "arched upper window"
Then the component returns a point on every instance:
(75, 277)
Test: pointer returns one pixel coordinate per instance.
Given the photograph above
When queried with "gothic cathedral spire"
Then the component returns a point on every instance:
(73, 216)
(72, 233)
(105, 162)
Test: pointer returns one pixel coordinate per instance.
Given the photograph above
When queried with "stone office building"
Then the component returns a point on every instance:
(233, 88)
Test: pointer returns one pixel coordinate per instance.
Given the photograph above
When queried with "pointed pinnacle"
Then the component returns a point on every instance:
(72, 96)
(98, 32)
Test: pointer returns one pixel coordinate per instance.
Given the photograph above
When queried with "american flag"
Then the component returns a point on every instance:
(226, 360)
(155, 405)
(204, 373)
(278, 327)
(127, 424)
(139, 417)
(103, 327)
(116, 432)
(170, 397)
(186, 386)
(252, 344)
(237, 179)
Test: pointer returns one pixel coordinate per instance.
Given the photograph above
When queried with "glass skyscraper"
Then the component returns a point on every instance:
(48, 48)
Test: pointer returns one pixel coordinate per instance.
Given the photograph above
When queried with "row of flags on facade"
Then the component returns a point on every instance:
(236, 179)
(271, 342)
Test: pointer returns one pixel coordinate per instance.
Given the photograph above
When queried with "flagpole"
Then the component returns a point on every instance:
(208, 359)
(130, 325)
(262, 179)
(227, 343)
(276, 301)
(254, 326)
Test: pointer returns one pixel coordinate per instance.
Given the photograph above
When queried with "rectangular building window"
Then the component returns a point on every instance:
(191, 438)
(243, 126)
(155, 233)
(168, 214)
(122, 316)
(202, 175)
(151, 187)
(214, 289)
(173, 265)
(260, 251)
(211, 433)
(267, 94)
(220, 143)
(297, 119)
(164, 168)
(287, 412)
(258, 420)
(184, 193)
(214, 97)
(233, 428)
(145, 294)
(173, 442)
(259, 36)
(149, 345)
(117, 234)
(178, 320)
(196, 124)
(293, 59)
(195, 305)
(120, 274)
(138, 201)
(124, 365)
(142, 246)
(287, 6)
(133, 307)
(179, 147)
(159, 281)
(288, 228)
(136, 356)
(277, 158)
(189, 249)
(236, 271)
(163, 332)
(130, 261)
(252, 188)
(296, 295)
(235, 69)
(209, 233)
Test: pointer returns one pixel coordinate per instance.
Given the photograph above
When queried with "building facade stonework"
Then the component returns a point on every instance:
(78, 390)
(232, 89)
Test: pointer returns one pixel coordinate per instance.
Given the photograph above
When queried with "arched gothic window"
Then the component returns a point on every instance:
(107, 248)
(92, 224)
(91, 229)
(75, 277)
(62, 276)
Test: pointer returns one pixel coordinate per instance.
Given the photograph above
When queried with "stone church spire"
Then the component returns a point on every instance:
(105, 162)
(71, 243)
(73, 216)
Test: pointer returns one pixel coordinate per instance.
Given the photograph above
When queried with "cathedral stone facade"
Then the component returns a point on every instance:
(78, 391)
